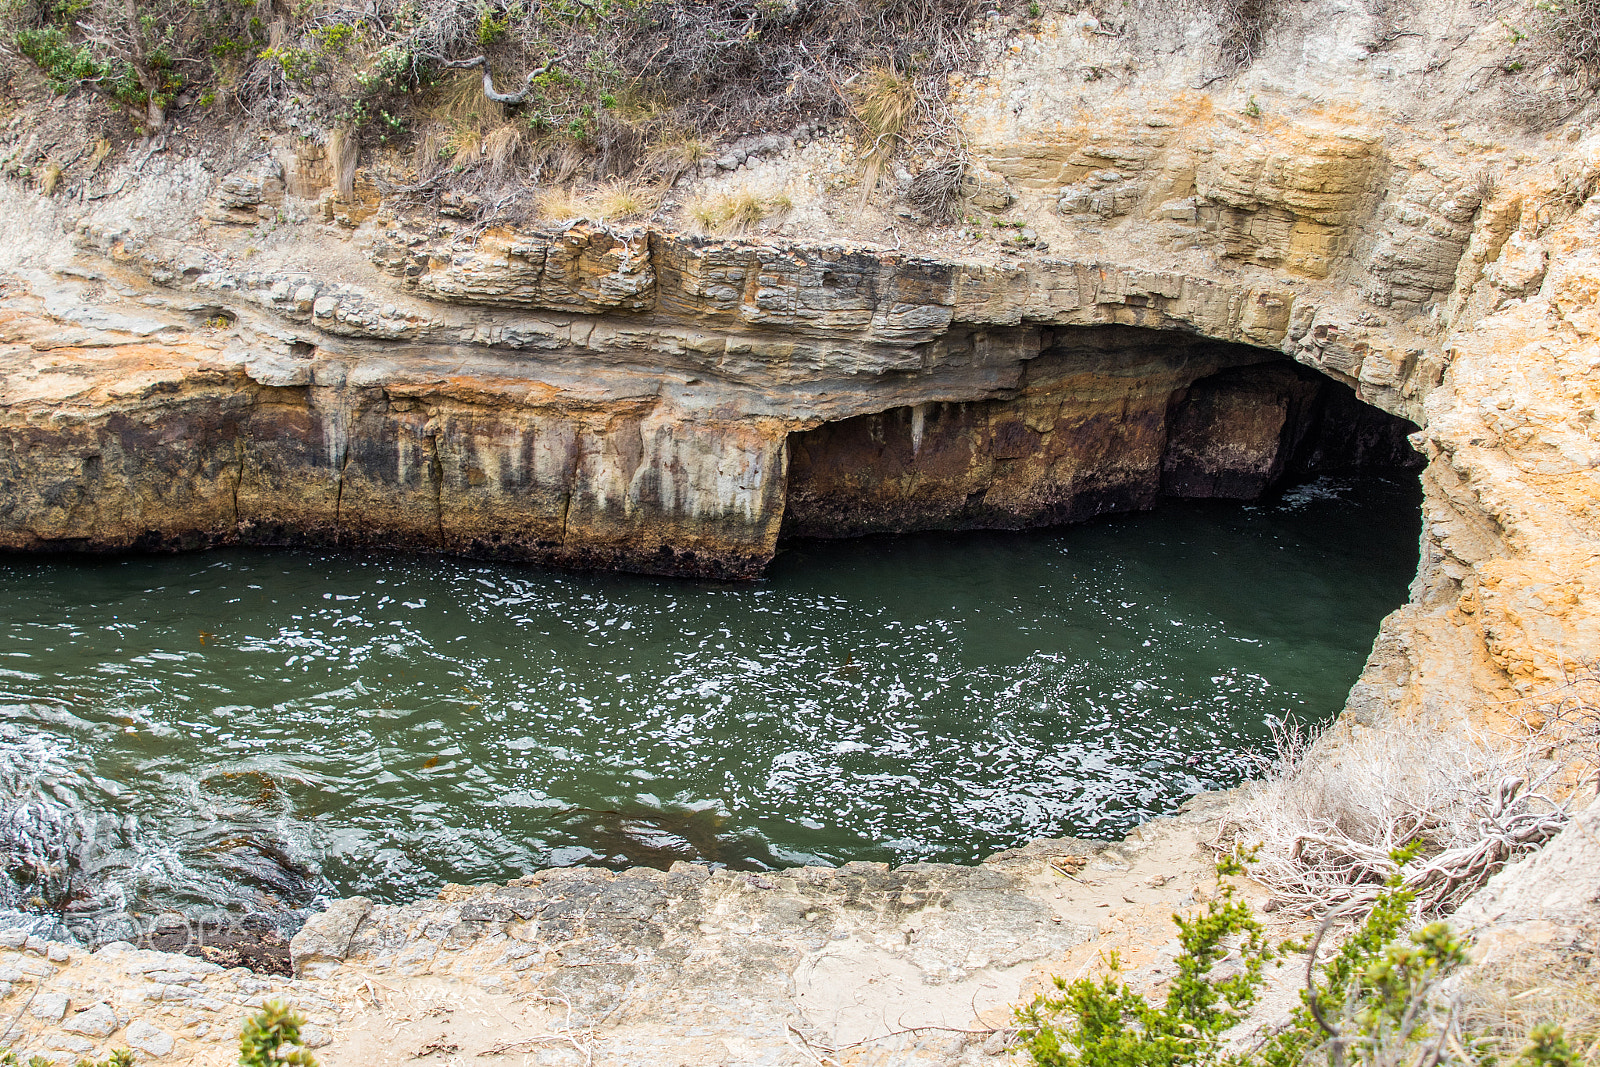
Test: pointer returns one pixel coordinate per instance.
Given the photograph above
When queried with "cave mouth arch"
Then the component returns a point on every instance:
(1103, 420)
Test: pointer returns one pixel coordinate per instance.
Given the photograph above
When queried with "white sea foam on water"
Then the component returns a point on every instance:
(1321, 489)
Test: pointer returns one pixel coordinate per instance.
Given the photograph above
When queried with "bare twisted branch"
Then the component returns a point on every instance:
(488, 78)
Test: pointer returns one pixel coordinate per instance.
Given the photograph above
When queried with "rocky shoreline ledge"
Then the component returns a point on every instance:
(858, 965)
(919, 964)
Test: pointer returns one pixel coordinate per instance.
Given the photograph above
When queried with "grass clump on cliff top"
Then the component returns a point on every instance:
(736, 213)
(599, 88)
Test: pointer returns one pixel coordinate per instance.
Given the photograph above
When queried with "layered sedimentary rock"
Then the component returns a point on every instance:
(588, 398)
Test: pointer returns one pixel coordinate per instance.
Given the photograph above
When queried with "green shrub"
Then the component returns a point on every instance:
(65, 65)
(120, 1058)
(271, 1037)
(1110, 1025)
(139, 55)
(1375, 1001)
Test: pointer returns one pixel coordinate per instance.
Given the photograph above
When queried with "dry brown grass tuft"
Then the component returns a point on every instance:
(1332, 811)
(673, 153)
(556, 160)
(458, 100)
(561, 203)
(344, 150)
(1505, 997)
(1484, 184)
(885, 102)
(463, 145)
(49, 178)
(620, 201)
(503, 146)
(733, 213)
(465, 130)
(936, 189)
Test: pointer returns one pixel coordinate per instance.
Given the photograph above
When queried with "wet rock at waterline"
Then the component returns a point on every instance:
(251, 942)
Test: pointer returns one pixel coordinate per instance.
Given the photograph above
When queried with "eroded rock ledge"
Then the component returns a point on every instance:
(863, 964)
(594, 399)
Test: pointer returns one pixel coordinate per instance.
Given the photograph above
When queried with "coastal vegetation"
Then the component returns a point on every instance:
(503, 100)
(271, 1037)
(1382, 997)
(609, 89)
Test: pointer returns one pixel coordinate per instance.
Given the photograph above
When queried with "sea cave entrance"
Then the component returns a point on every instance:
(1104, 420)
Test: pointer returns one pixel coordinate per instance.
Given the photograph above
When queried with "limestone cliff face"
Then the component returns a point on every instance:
(582, 397)
(656, 401)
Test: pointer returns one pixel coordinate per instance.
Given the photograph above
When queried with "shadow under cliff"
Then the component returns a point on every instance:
(1106, 420)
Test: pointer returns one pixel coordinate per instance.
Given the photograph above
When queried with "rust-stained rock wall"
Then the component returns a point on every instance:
(207, 456)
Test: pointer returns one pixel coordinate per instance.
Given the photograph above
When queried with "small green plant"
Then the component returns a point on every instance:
(297, 64)
(1548, 1047)
(9, 1059)
(271, 1038)
(335, 39)
(1372, 1002)
(1252, 108)
(120, 1058)
(491, 29)
(1110, 1025)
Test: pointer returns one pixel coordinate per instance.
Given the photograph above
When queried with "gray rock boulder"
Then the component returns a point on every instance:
(322, 943)
(97, 1020)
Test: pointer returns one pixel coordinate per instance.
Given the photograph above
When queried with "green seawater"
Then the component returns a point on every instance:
(247, 731)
